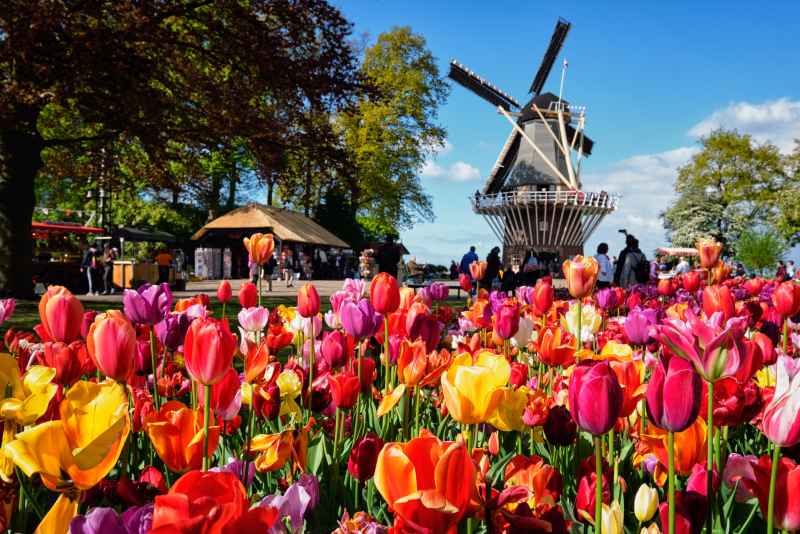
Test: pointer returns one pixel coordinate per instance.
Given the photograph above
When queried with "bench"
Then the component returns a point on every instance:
(417, 285)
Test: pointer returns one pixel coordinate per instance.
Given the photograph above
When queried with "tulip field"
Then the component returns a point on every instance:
(667, 407)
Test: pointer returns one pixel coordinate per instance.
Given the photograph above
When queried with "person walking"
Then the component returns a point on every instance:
(269, 269)
(388, 257)
(287, 268)
(493, 265)
(466, 260)
(164, 261)
(89, 266)
(606, 274)
(109, 255)
(632, 265)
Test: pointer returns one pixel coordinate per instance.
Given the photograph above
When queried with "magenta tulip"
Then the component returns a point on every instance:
(359, 320)
(673, 394)
(333, 348)
(595, 397)
(507, 320)
(638, 324)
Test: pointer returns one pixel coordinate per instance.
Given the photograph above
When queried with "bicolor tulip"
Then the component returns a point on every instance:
(477, 270)
(226, 396)
(629, 376)
(359, 320)
(595, 397)
(224, 292)
(260, 247)
(148, 304)
(61, 315)
(176, 432)
(786, 299)
(426, 481)
(753, 477)
(709, 251)
(308, 301)
(472, 388)
(248, 295)
(384, 294)
(76, 451)
(552, 348)
(780, 420)
(524, 333)
(208, 350)
(275, 450)
(719, 299)
(581, 275)
(690, 448)
(673, 394)
(112, 345)
(253, 319)
(364, 456)
(645, 503)
(590, 321)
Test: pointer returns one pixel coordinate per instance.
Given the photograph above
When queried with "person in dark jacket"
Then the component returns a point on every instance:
(492, 268)
(89, 266)
(388, 257)
(467, 259)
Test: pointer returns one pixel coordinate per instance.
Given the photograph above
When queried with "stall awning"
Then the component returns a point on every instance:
(287, 225)
(73, 228)
(677, 251)
(129, 233)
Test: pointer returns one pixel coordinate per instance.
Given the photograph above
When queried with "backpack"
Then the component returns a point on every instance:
(642, 269)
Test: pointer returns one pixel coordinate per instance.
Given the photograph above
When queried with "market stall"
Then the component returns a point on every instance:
(58, 251)
(132, 270)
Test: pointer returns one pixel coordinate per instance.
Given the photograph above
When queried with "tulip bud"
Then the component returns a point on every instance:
(363, 457)
(595, 397)
(786, 299)
(718, 299)
(307, 300)
(384, 294)
(673, 395)
(666, 287)
(224, 291)
(645, 504)
(344, 389)
(208, 350)
(709, 251)
(507, 320)
(112, 345)
(248, 295)
(612, 521)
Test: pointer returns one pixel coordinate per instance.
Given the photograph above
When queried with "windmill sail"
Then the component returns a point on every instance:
(556, 42)
(481, 87)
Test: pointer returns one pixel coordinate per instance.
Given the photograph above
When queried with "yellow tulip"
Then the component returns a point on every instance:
(290, 387)
(614, 350)
(76, 452)
(645, 503)
(590, 321)
(612, 521)
(473, 388)
(508, 414)
(652, 528)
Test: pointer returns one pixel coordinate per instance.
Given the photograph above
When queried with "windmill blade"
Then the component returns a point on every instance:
(556, 42)
(468, 79)
(587, 142)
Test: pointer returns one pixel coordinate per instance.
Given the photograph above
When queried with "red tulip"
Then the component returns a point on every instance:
(542, 297)
(666, 287)
(224, 291)
(768, 354)
(248, 295)
(718, 299)
(595, 398)
(673, 394)
(363, 456)
(384, 294)
(307, 300)
(225, 398)
(587, 489)
(67, 360)
(344, 389)
(751, 360)
(786, 299)
(61, 314)
(519, 374)
(691, 281)
(753, 286)
(208, 350)
(333, 349)
(112, 345)
(465, 283)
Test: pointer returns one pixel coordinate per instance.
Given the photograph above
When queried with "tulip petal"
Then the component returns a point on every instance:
(389, 401)
(59, 516)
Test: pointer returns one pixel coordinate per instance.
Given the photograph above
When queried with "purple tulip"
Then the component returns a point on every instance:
(394, 347)
(246, 471)
(359, 320)
(148, 304)
(171, 330)
(496, 299)
(638, 325)
(524, 294)
(439, 291)
(606, 298)
(299, 498)
(98, 521)
(139, 519)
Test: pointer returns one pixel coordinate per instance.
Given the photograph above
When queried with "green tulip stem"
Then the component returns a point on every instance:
(153, 348)
(710, 459)
(223, 310)
(598, 485)
(773, 477)
(416, 410)
(578, 344)
(671, 480)
(311, 361)
(786, 335)
(206, 417)
(386, 353)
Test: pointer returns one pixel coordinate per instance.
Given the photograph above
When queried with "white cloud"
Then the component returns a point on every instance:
(460, 171)
(776, 121)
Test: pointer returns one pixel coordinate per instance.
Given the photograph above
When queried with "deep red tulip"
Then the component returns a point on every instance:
(224, 291)
(691, 281)
(507, 320)
(595, 398)
(368, 373)
(363, 456)
(753, 286)
(384, 294)
(344, 389)
(307, 300)
(465, 282)
(208, 350)
(768, 354)
(751, 360)
(267, 400)
(67, 360)
(735, 402)
(786, 299)
(718, 299)
(112, 345)
(690, 510)
(587, 491)
(519, 374)
(248, 295)
(542, 297)
(673, 394)
(61, 315)
(560, 428)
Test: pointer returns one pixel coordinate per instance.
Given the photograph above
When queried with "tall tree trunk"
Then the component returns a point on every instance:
(23, 154)
(270, 186)
(233, 179)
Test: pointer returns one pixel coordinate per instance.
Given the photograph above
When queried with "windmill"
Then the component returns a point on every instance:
(532, 198)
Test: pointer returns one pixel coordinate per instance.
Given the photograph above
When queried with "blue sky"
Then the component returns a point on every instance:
(654, 78)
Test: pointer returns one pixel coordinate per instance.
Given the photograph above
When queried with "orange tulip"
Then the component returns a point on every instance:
(709, 251)
(581, 275)
(274, 450)
(690, 448)
(551, 350)
(477, 269)
(543, 480)
(426, 481)
(720, 271)
(260, 247)
(307, 300)
(384, 294)
(480, 313)
(177, 435)
(629, 375)
(407, 298)
(111, 343)
(61, 314)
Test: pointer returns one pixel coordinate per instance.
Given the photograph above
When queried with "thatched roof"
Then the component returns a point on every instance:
(287, 225)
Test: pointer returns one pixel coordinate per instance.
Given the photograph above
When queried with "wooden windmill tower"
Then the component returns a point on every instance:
(532, 198)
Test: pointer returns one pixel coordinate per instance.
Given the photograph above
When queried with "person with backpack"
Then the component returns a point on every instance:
(632, 265)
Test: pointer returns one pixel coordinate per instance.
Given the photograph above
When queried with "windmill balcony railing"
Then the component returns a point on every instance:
(602, 200)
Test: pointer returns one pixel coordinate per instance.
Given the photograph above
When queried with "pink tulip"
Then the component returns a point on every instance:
(6, 309)
(507, 320)
(253, 319)
(61, 314)
(673, 395)
(781, 423)
(595, 397)
(112, 345)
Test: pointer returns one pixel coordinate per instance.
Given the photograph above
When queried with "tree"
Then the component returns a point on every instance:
(759, 251)
(788, 201)
(732, 183)
(392, 130)
(198, 73)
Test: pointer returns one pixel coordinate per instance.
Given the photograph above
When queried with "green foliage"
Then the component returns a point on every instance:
(759, 251)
